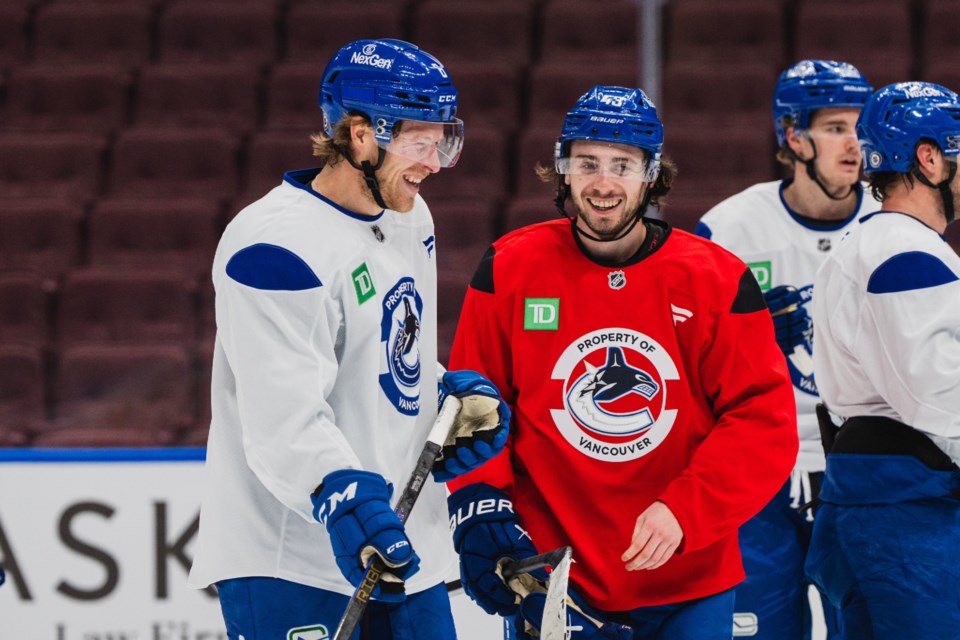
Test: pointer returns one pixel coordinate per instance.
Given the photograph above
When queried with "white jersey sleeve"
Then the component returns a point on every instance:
(783, 248)
(888, 317)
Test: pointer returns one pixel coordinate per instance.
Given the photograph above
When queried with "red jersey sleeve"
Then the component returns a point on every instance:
(744, 376)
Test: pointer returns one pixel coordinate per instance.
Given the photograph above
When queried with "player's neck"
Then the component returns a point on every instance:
(617, 251)
(920, 202)
(806, 198)
(343, 185)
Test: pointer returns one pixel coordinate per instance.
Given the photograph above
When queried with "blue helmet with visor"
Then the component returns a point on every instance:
(815, 84)
(391, 81)
(615, 115)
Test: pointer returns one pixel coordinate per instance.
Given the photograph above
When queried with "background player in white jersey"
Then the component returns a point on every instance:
(325, 365)
(886, 542)
(784, 230)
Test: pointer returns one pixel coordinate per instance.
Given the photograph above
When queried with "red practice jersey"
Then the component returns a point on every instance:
(657, 379)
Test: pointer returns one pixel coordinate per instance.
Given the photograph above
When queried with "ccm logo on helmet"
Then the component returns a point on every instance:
(372, 60)
(447, 99)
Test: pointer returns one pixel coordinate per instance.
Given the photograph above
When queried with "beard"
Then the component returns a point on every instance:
(608, 229)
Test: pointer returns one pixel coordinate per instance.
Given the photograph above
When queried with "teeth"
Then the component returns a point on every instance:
(416, 181)
(604, 204)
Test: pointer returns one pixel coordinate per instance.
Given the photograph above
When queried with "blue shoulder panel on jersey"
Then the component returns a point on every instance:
(267, 266)
(703, 231)
(909, 271)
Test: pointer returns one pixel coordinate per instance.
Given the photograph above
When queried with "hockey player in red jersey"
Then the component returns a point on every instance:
(653, 413)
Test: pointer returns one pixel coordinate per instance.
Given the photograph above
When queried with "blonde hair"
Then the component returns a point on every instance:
(330, 150)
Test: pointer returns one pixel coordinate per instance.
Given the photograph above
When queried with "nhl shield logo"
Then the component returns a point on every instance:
(615, 394)
(617, 279)
(823, 244)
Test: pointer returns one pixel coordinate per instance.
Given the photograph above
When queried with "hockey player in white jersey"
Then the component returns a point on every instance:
(783, 230)
(325, 376)
(886, 542)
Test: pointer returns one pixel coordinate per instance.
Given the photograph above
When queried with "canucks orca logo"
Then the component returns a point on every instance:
(615, 394)
(400, 346)
(592, 399)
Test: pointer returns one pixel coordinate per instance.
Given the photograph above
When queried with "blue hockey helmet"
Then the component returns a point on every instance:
(616, 115)
(899, 116)
(389, 81)
(815, 84)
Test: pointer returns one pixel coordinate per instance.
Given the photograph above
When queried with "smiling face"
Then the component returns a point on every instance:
(411, 156)
(605, 190)
(833, 131)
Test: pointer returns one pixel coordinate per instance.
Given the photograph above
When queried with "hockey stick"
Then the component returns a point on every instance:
(553, 626)
(375, 567)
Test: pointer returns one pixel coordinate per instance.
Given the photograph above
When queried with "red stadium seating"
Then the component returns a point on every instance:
(174, 163)
(101, 306)
(555, 87)
(13, 42)
(218, 31)
(271, 154)
(536, 147)
(179, 234)
(724, 33)
(53, 165)
(198, 95)
(495, 30)
(702, 92)
(24, 305)
(482, 170)
(490, 93)
(93, 32)
(22, 407)
(58, 97)
(292, 98)
(940, 48)
(39, 234)
(598, 31)
(524, 211)
(315, 31)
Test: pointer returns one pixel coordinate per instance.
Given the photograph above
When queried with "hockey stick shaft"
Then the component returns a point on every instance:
(376, 566)
(532, 563)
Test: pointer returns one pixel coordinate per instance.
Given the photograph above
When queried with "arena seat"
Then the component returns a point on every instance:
(724, 33)
(25, 298)
(175, 234)
(93, 32)
(598, 31)
(174, 163)
(13, 41)
(292, 98)
(701, 92)
(218, 31)
(524, 211)
(482, 170)
(270, 154)
(939, 46)
(102, 306)
(315, 30)
(495, 30)
(59, 97)
(22, 407)
(186, 95)
(40, 234)
(67, 165)
(555, 87)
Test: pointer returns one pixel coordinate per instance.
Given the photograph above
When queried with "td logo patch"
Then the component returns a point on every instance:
(763, 272)
(541, 314)
(400, 346)
(615, 394)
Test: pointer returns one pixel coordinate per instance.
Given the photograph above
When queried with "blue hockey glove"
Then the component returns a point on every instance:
(354, 505)
(3, 576)
(791, 322)
(582, 626)
(486, 531)
(481, 428)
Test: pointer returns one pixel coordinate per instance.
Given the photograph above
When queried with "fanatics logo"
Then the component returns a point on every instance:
(680, 314)
(617, 279)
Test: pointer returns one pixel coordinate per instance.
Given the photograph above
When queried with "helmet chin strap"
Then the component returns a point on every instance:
(563, 192)
(943, 187)
(369, 173)
(812, 171)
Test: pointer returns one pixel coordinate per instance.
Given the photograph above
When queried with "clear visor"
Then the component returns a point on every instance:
(632, 169)
(430, 143)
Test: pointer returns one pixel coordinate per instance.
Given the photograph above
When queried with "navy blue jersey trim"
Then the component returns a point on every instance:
(271, 268)
(909, 271)
(825, 226)
(302, 178)
(703, 231)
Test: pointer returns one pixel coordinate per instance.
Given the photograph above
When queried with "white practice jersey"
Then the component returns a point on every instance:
(888, 327)
(325, 359)
(782, 248)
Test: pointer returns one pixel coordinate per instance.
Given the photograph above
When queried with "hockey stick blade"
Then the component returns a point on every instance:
(553, 626)
(375, 567)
